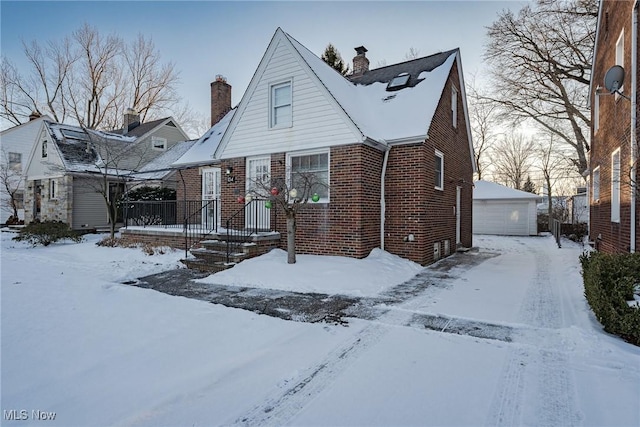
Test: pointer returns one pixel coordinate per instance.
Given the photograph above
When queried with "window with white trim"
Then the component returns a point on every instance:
(454, 106)
(44, 148)
(615, 186)
(620, 55)
(439, 171)
(595, 184)
(158, 143)
(280, 102)
(15, 161)
(309, 174)
(53, 189)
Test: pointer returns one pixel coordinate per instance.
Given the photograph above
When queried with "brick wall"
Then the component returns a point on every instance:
(614, 132)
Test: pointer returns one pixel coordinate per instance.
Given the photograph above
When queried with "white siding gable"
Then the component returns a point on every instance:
(40, 168)
(317, 119)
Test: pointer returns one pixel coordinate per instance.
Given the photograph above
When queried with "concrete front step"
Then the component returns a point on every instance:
(210, 255)
(221, 245)
(202, 265)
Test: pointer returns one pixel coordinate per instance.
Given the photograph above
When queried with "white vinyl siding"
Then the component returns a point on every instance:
(615, 186)
(315, 122)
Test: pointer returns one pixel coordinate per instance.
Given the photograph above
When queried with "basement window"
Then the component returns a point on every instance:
(398, 82)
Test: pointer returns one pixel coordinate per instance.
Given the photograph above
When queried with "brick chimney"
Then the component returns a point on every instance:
(131, 120)
(360, 61)
(220, 99)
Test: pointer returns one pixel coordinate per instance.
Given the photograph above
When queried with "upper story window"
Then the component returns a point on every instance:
(44, 148)
(158, 143)
(620, 55)
(15, 161)
(439, 171)
(280, 101)
(595, 184)
(615, 186)
(309, 173)
(454, 106)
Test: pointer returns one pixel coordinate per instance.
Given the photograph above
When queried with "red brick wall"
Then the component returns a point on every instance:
(614, 132)
(414, 206)
(191, 181)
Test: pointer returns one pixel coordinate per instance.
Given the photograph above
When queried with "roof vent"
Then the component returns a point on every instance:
(398, 82)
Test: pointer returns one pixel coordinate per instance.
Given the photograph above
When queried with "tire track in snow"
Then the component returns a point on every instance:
(538, 372)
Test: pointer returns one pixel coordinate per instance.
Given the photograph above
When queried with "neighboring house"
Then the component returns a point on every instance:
(579, 207)
(67, 168)
(159, 171)
(501, 210)
(613, 155)
(15, 146)
(392, 144)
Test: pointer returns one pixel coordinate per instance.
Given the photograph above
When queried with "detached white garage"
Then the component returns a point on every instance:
(504, 211)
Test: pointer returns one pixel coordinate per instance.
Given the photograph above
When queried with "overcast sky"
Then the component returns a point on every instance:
(206, 38)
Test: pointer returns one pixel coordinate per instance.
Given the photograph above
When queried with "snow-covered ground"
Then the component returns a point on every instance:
(78, 343)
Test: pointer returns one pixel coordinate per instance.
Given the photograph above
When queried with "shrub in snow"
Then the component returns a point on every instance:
(609, 283)
(147, 248)
(46, 232)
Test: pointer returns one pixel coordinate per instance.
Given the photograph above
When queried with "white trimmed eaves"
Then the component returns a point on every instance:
(242, 106)
(465, 109)
(327, 92)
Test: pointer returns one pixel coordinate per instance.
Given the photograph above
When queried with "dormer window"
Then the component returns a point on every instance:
(158, 143)
(398, 82)
(44, 149)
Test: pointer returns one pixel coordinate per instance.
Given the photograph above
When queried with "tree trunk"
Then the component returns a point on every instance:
(291, 238)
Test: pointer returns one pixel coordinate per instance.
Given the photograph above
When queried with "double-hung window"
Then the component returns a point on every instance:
(53, 189)
(615, 186)
(44, 148)
(439, 171)
(280, 98)
(454, 106)
(15, 161)
(620, 56)
(309, 174)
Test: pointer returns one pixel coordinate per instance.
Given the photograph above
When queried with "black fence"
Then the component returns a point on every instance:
(201, 215)
(254, 217)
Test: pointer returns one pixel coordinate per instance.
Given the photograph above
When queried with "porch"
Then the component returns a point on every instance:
(197, 227)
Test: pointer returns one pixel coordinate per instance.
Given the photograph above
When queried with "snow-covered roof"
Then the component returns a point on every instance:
(159, 167)
(485, 190)
(379, 114)
(202, 151)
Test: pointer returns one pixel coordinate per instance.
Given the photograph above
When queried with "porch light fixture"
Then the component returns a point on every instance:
(228, 170)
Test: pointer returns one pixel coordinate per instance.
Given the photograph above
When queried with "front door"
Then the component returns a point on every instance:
(258, 178)
(211, 198)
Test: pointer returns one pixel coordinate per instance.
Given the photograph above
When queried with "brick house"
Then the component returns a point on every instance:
(613, 155)
(65, 167)
(392, 144)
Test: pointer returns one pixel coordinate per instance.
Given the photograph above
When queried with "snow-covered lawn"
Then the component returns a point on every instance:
(77, 342)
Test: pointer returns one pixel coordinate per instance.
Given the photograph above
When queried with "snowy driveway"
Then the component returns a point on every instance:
(527, 350)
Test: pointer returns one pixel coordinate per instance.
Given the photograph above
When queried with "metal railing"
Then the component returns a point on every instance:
(196, 218)
(556, 229)
(249, 220)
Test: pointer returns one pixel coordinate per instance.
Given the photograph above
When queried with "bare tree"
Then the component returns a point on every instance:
(540, 61)
(11, 181)
(89, 78)
(512, 159)
(554, 166)
(484, 122)
(290, 197)
(412, 54)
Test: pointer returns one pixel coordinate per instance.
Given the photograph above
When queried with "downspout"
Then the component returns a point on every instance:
(634, 82)
(383, 203)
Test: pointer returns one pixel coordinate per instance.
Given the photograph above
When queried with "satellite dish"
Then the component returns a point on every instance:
(614, 78)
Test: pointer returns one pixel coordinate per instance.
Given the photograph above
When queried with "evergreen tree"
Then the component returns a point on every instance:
(529, 186)
(332, 57)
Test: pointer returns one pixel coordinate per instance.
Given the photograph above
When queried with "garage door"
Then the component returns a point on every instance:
(501, 218)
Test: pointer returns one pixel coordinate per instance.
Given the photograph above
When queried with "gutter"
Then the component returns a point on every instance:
(634, 95)
(383, 203)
